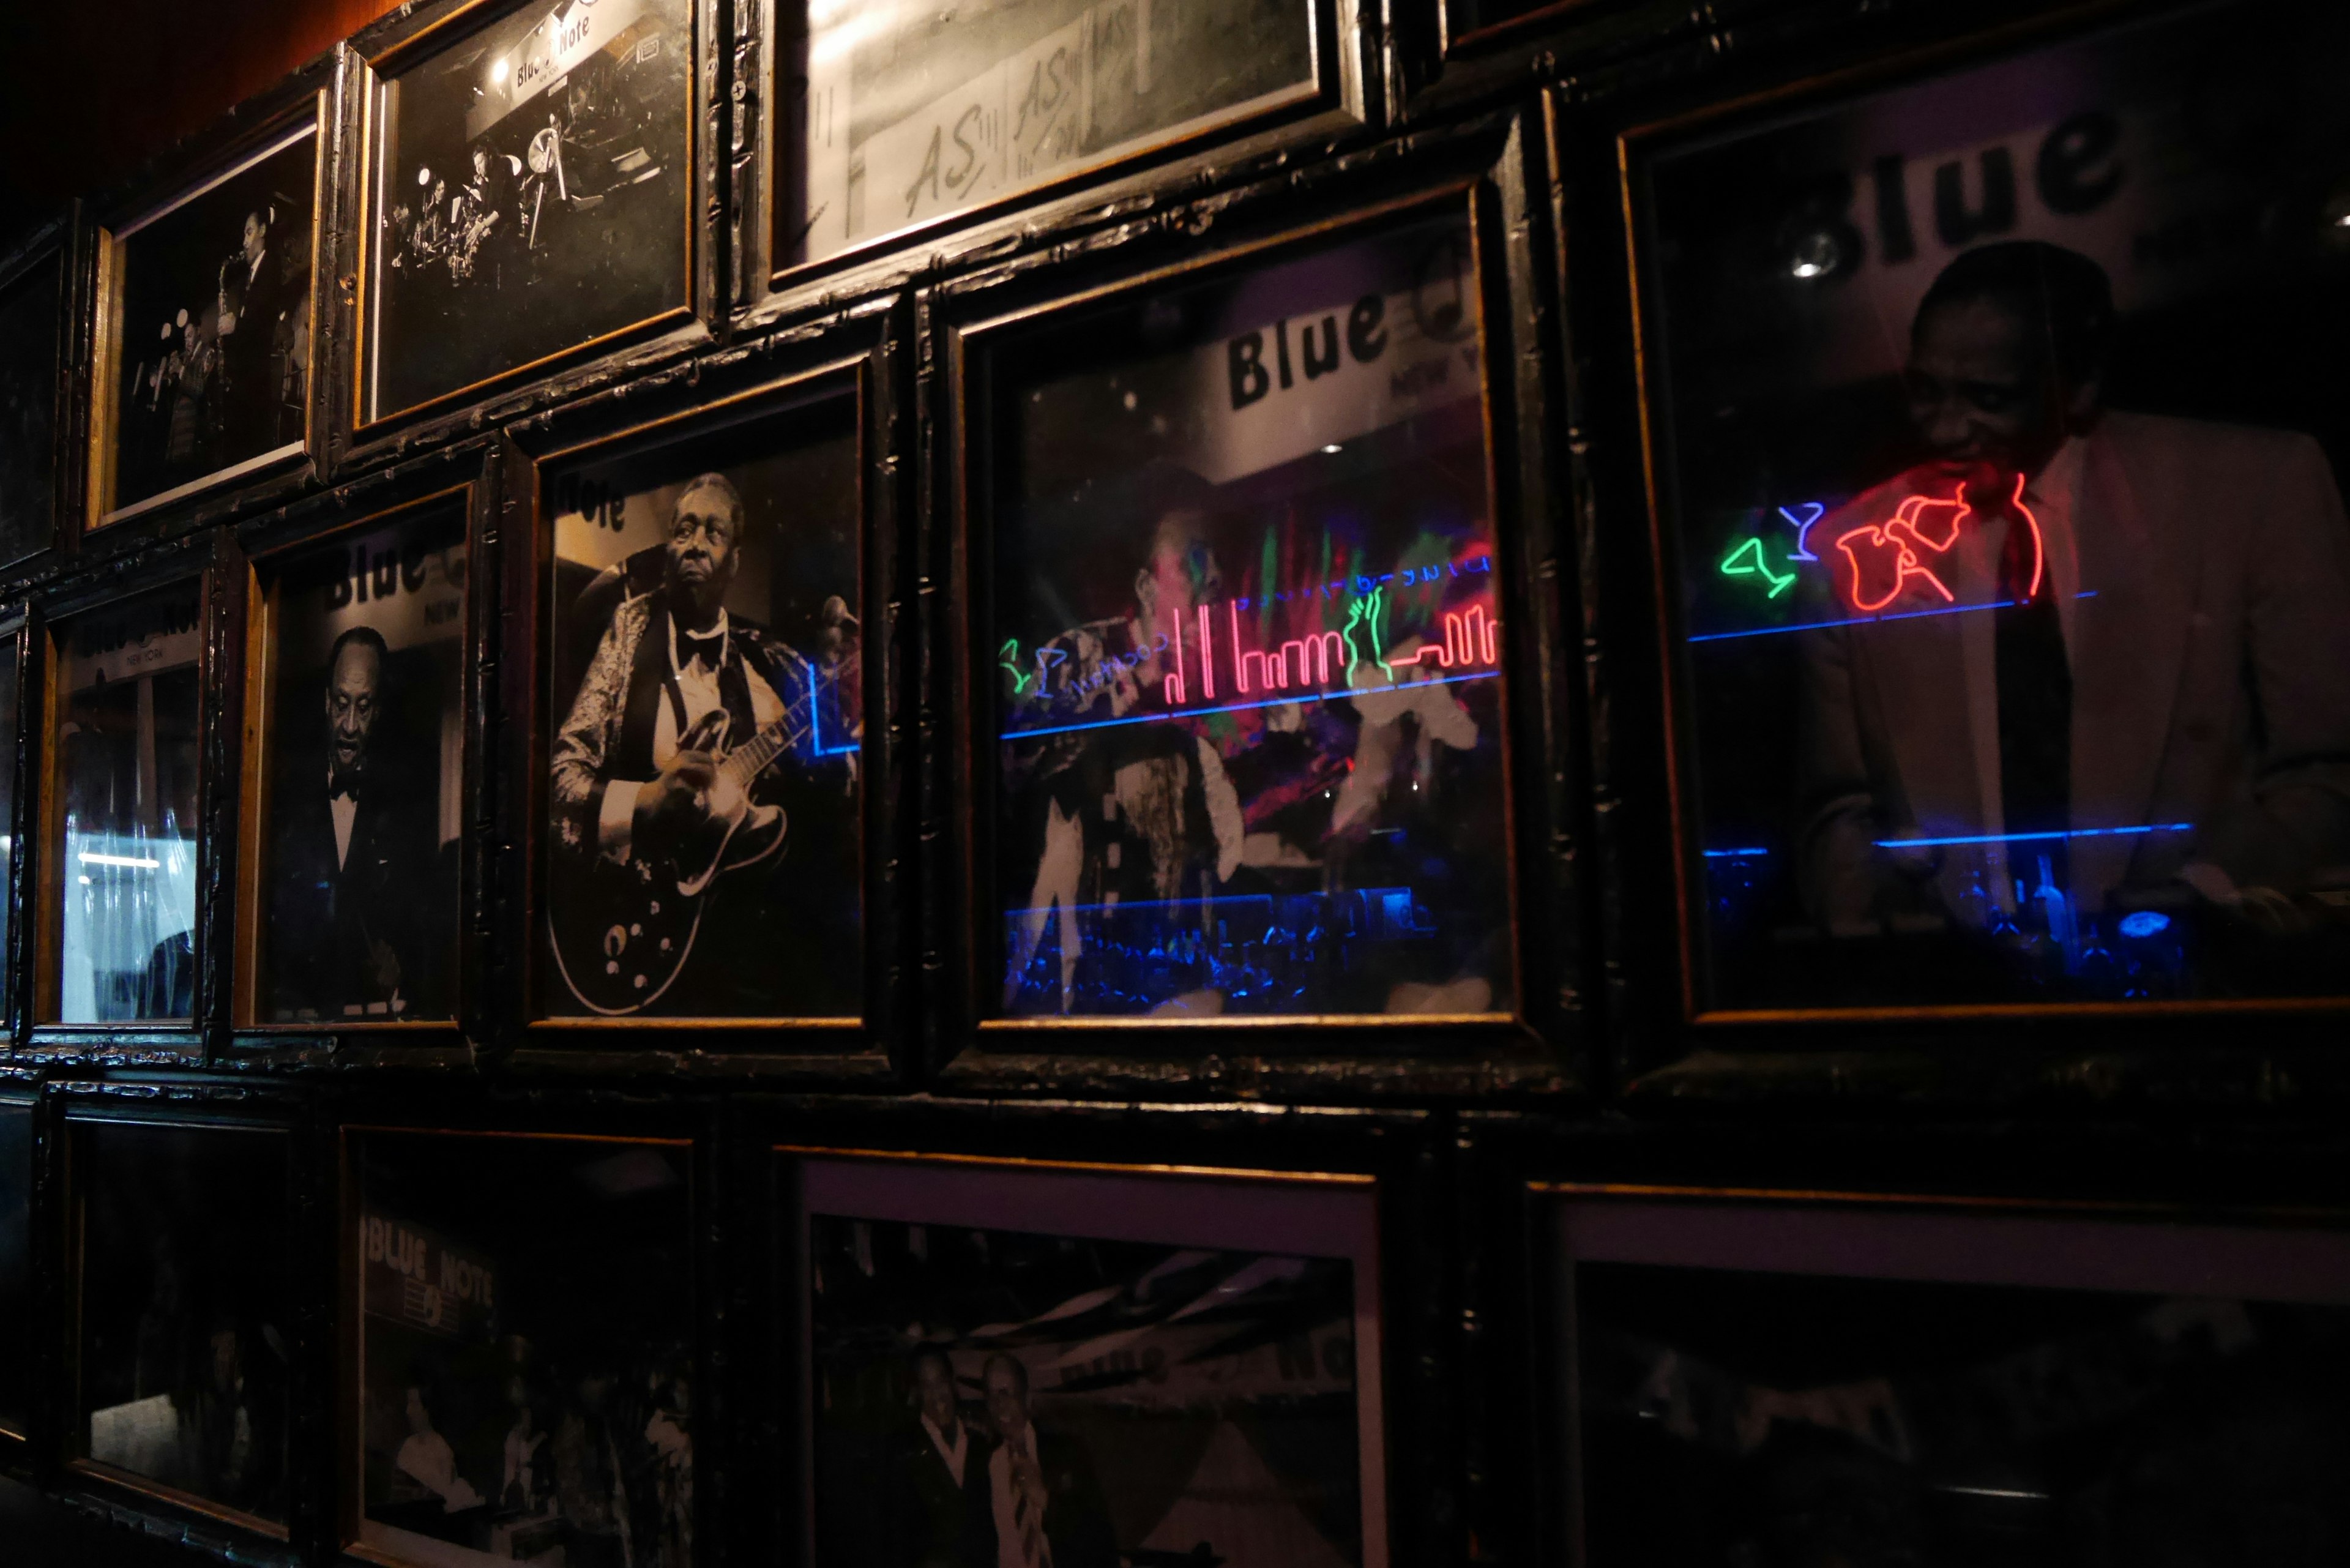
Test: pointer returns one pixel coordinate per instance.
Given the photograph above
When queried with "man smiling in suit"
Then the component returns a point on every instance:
(2142, 680)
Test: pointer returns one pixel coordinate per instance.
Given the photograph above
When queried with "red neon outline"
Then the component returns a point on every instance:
(2039, 546)
(1906, 535)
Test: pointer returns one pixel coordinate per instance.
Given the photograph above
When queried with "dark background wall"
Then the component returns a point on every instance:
(90, 89)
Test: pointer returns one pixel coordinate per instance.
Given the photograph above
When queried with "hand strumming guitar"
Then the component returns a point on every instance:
(674, 803)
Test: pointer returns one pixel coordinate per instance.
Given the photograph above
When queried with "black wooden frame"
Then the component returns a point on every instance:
(464, 479)
(199, 1107)
(310, 93)
(362, 437)
(1477, 172)
(1343, 100)
(857, 357)
(56, 243)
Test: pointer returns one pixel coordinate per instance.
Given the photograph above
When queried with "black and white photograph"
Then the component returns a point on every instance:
(531, 191)
(905, 115)
(1773, 1385)
(185, 1308)
(11, 656)
(705, 786)
(30, 366)
(19, 1383)
(1020, 1368)
(364, 756)
(128, 761)
(1245, 639)
(526, 1376)
(210, 314)
(1998, 454)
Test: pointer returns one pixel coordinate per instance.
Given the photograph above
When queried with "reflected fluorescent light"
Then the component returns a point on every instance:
(84, 881)
(1334, 447)
(499, 72)
(136, 862)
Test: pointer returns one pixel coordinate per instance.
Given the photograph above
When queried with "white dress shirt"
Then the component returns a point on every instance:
(697, 687)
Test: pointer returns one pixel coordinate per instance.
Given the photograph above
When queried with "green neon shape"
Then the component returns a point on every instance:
(1366, 612)
(1747, 561)
(1009, 655)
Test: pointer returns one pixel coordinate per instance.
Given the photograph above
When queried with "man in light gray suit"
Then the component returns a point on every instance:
(2111, 649)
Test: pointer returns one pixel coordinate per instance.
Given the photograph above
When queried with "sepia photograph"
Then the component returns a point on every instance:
(210, 315)
(1932, 1389)
(705, 786)
(1999, 453)
(1245, 626)
(19, 1381)
(364, 756)
(525, 1370)
(129, 704)
(185, 1303)
(904, 115)
(30, 366)
(1090, 1370)
(531, 191)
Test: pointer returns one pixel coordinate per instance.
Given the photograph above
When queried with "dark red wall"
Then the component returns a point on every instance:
(90, 87)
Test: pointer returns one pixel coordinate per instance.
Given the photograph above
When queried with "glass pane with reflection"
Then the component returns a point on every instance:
(185, 1328)
(909, 113)
(1246, 646)
(127, 764)
(2002, 449)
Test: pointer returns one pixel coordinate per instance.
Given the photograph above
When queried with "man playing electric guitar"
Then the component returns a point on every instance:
(688, 766)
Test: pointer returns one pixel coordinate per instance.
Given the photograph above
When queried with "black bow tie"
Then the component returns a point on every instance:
(341, 781)
(708, 647)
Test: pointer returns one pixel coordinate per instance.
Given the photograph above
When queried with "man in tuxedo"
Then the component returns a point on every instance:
(1040, 1506)
(676, 685)
(253, 302)
(350, 921)
(2111, 648)
(937, 1473)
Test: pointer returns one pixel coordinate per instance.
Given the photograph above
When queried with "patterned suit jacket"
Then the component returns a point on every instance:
(590, 738)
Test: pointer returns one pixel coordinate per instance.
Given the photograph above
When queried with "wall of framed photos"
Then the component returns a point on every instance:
(1264, 781)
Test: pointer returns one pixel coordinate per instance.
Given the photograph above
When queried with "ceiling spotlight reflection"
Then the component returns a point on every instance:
(1814, 256)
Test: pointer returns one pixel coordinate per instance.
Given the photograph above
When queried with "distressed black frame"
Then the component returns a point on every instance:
(573, 1120)
(1476, 170)
(1342, 97)
(856, 359)
(56, 243)
(1396, 1152)
(189, 1106)
(310, 95)
(361, 437)
(464, 479)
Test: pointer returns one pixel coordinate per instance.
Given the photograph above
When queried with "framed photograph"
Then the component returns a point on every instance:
(118, 912)
(1997, 488)
(704, 784)
(33, 307)
(1759, 1379)
(356, 665)
(14, 812)
(519, 1315)
(20, 1380)
(1234, 603)
(1024, 1364)
(528, 193)
(183, 1303)
(891, 123)
(201, 356)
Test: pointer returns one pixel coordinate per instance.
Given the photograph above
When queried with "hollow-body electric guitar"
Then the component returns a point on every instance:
(621, 931)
